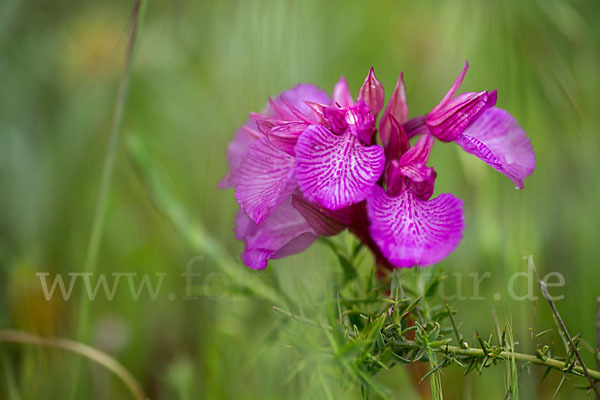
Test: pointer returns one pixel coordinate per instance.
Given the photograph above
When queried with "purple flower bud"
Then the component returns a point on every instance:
(372, 93)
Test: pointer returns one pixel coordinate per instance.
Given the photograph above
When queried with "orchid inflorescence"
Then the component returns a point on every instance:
(310, 166)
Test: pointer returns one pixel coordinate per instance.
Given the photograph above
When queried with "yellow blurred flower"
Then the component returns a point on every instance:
(92, 45)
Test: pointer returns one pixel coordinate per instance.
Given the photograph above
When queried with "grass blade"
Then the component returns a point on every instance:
(101, 358)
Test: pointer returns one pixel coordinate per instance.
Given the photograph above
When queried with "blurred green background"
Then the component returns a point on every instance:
(201, 66)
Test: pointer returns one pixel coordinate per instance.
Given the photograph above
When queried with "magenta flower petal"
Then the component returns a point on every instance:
(341, 94)
(285, 136)
(317, 111)
(296, 97)
(372, 93)
(451, 117)
(450, 121)
(325, 222)
(412, 165)
(297, 245)
(419, 153)
(398, 142)
(419, 176)
(450, 94)
(396, 181)
(397, 107)
(410, 231)
(422, 179)
(277, 112)
(336, 118)
(265, 179)
(361, 122)
(416, 126)
(497, 139)
(357, 119)
(284, 232)
(235, 152)
(336, 170)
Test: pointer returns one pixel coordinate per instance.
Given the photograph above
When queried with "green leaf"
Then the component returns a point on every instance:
(560, 385)
(431, 371)
(471, 366)
(357, 248)
(410, 307)
(400, 360)
(433, 335)
(369, 382)
(373, 330)
(347, 267)
(545, 374)
(543, 333)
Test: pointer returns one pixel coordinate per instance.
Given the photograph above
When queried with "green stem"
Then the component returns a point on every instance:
(109, 160)
(108, 170)
(441, 347)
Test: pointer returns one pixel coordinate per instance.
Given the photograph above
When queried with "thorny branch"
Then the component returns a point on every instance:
(381, 329)
(563, 328)
(504, 355)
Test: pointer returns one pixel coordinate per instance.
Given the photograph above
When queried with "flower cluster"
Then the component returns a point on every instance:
(309, 166)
